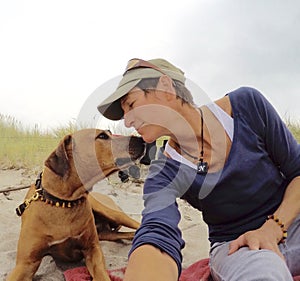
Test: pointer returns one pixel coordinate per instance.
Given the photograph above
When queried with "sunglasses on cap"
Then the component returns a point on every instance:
(139, 63)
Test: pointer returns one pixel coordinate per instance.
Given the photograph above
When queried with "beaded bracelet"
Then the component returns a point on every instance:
(284, 231)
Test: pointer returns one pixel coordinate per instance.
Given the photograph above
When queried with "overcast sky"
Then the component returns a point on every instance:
(56, 55)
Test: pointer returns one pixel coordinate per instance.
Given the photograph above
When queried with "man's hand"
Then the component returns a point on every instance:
(265, 237)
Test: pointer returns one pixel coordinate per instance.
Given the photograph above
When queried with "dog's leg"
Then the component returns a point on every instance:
(95, 263)
(94, 258)
(107, 208)
(24, 270)
(114, 236)
(29, 255)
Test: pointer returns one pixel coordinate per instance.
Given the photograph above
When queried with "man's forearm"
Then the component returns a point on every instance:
(148, 263)
(289, 208)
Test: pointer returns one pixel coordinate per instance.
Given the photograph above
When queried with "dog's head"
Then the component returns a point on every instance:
(89, 155)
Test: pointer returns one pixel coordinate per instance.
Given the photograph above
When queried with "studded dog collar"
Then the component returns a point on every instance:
(43, 195)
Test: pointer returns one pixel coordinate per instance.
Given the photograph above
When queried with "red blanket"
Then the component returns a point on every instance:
(199, 271)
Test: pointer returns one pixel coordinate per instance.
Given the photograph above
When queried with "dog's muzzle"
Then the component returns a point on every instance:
(136, 150)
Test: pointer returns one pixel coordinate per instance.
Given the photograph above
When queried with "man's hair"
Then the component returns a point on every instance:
(181, 91)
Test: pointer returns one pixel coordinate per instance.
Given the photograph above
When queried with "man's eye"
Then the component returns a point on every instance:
(103, 136)
(131, 104)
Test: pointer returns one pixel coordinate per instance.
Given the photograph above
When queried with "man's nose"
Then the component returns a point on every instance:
(129, 119)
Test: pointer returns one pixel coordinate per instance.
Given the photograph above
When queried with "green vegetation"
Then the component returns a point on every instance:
(295, 129)
(28, 148)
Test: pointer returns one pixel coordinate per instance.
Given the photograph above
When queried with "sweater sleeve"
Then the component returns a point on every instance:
(161, 216)
(279, 142)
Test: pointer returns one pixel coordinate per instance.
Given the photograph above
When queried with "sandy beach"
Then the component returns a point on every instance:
(127, 195)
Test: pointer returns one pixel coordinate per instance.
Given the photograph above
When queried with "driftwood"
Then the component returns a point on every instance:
(13, 188)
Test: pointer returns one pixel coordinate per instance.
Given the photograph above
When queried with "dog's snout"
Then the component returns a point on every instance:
(137, 147)
(136, 141)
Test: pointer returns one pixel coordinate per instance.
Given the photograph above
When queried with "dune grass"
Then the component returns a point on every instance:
(295, 129)
(29, 147)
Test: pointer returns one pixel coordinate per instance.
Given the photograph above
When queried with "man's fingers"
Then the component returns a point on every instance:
(243, 241)
(275, 249)
(235, 245)
(253, 244)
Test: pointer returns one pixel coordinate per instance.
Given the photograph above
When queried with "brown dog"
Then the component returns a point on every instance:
(59, 216)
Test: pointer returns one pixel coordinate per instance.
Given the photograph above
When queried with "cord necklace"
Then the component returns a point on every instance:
(202, 167)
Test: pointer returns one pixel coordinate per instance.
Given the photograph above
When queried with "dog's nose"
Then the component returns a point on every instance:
(136, 147)
(136, 140)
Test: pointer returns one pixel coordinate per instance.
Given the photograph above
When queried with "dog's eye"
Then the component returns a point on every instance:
(103, 136)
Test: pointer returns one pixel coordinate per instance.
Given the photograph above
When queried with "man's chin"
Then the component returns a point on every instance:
(148, 134)
(147, 138)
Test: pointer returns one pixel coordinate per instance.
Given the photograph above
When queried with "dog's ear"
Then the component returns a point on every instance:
(58, 161)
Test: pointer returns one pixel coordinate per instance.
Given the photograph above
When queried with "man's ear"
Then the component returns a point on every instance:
(58, 161)
(165, 83)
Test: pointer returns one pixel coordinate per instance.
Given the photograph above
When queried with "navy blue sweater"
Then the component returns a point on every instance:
(263, 159)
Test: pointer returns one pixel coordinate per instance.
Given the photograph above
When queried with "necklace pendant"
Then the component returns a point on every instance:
(202, 168)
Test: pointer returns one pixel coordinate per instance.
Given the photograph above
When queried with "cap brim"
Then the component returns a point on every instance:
(111, 107)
